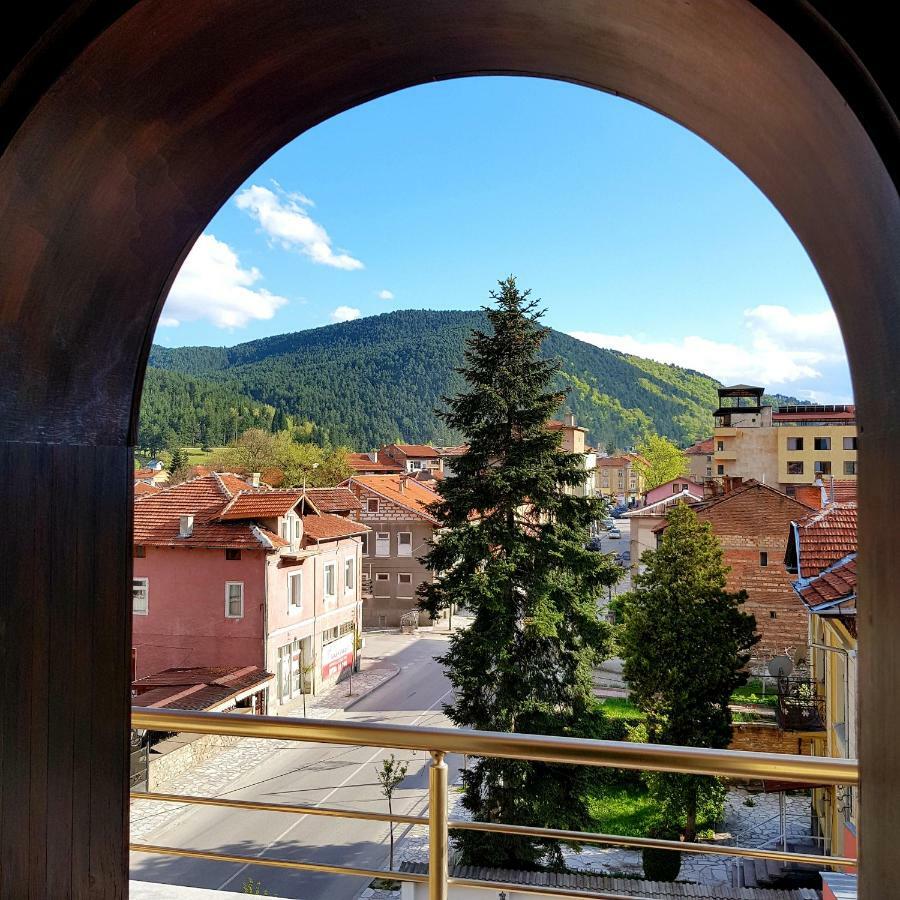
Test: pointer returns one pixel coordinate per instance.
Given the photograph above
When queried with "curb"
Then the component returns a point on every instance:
(368, 693)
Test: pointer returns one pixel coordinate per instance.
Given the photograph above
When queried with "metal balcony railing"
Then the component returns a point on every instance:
(536, 748)
(800, 705)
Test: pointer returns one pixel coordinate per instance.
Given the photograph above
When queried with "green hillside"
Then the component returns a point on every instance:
(379, 379)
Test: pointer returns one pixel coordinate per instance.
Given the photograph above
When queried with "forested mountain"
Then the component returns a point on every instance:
(379, 379)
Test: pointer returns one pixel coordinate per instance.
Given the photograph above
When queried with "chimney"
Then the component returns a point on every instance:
(254, 479)
(373, 455)
(403, 480)
(569, 420)
(812, 495)
(186, 528)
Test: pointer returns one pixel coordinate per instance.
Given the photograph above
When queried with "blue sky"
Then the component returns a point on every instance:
(634, 232)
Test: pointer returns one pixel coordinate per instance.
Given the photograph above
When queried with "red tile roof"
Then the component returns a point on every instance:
(362, 462)
(333, 499)
(260, 504)
(453, 451)
(413, 495)
(198, 688)
(848, 416)
(143, 487)
(844, 490)
(145, 473)
(703, 448)
(835, 586)
(825, 537)
(418, 451)
(614, 461)
(326, 527)
(157, 517)
(553, 425)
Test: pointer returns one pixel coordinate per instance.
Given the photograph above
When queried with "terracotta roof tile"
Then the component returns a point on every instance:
(333, 499)
(256, 504)
(197, 688)
(157, 517)
(415, 451)
(327, 527)
(144, 487)
(453, 451)
(361, 462)
(701, 448)
(413, 495)
(614, 461)
(836, 585)
(825, 537)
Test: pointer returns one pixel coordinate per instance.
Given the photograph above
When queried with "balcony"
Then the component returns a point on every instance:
(438, 742)
(801, 706)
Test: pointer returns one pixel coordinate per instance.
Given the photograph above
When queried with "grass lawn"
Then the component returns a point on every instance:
(752, 692)
(616, 708)
(196, 456)
(625, 810)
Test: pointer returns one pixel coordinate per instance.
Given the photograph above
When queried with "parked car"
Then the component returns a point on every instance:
(608, 523)
(624, 558)
(614, 533)
(595, 543)
(617, 512)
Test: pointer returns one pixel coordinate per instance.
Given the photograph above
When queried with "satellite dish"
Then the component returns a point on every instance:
(781, 666)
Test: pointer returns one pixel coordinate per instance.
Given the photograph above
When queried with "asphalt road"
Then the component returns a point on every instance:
(335, 776)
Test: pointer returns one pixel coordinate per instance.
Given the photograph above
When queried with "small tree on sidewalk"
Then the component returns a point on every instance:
(512, 551)
(685, 644)
(390, 776)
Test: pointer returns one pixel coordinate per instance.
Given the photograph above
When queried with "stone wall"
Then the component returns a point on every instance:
(175, 755)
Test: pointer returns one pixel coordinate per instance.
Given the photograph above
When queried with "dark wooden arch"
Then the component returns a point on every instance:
(125, 126)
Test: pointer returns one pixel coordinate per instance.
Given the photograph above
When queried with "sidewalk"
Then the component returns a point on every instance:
(213, 777)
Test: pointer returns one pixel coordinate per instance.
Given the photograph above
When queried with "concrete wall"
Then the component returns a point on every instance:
(837, 456)
(175, 755)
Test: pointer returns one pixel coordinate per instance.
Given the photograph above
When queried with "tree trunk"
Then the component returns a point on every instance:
(690, 828)
(390, 813)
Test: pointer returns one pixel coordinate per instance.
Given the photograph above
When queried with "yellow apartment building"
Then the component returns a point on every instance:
(783, 446)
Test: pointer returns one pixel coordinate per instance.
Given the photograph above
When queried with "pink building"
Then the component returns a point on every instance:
(675, 486)
(228, 574)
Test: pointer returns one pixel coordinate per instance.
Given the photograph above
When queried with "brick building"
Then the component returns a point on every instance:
(752, 523)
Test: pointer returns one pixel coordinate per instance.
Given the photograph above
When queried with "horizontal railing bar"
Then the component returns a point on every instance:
(253, 805)
(574, 837)
(586, 837)
(280, 863)
(539, 890)
(536, 748)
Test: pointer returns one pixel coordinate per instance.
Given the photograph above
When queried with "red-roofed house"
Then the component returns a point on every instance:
(227, 574)
(411, 457)
(396, 509)
(619, 479)
(699, 458)
(370, 464)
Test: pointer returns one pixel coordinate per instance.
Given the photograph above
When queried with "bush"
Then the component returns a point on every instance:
(661, 865)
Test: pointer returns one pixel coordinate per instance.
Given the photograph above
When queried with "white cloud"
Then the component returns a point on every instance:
(345, 314)
(213, 285)
(385, 295)
(780, 348)
(282, 217)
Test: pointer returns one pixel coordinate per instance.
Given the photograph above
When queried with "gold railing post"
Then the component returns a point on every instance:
(438, 841)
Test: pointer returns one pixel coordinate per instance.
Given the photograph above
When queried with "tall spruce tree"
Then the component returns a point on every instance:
(512, 550)
(685, 643)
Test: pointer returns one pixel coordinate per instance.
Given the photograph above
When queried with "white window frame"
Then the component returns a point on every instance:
(349, 569)
(228, 613)
(294, 608)
(145, 588)
(329, 599)
(383, 542)
(297, 528)
(285, 530)
(364, 543)
(370, 501)
(402, 552)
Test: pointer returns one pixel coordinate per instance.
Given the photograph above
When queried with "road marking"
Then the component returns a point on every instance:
(328, 796)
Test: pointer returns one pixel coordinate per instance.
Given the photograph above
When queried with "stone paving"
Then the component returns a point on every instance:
(212, 778)
(753, 825)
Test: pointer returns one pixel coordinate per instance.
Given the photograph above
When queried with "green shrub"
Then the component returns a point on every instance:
(661, 865)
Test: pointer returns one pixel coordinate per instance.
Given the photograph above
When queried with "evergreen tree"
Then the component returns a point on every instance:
(179, 459)
(685, 643)
(512, 550)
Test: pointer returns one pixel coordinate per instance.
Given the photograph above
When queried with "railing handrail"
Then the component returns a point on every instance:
(535, 748)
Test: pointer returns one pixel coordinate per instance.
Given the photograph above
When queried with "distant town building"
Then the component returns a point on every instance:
(783, 446)
(396, 510)
(230, 574)
(648, 521)
(618, 479)
(411, 457)
(574, 441)
(699, 458)
(370, 464)
(675, 486)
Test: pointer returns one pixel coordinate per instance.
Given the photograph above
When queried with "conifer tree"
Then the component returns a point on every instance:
(685, 643)
(512, 551)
